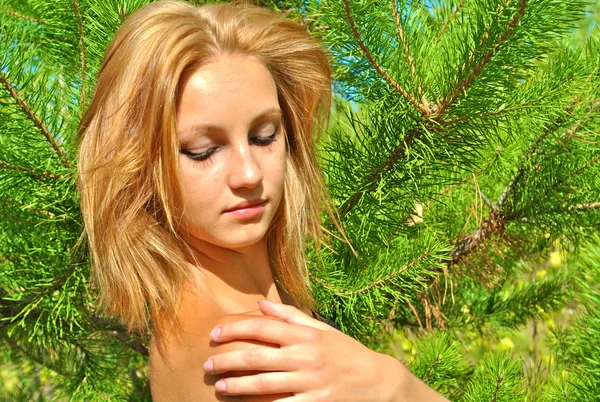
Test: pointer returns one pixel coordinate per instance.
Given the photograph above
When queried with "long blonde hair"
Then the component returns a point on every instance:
(131, 196)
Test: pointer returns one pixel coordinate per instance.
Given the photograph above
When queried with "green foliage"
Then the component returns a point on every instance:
(439, 362)
(497, 378)
(576, 344)
(463, 157)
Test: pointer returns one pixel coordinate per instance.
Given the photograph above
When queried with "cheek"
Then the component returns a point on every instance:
(199, 187)
(278, 169)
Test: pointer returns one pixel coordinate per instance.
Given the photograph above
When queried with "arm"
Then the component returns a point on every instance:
(407, 386)
(178, 374)
(322, 363)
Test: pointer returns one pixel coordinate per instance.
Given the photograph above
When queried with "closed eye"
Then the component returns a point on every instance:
(261, 140)
(257, 140)
(264, 140)
(202, 156)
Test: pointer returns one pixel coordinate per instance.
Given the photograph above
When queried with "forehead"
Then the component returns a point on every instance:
(228, 91)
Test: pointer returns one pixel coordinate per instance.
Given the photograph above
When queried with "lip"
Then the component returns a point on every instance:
(247, 205)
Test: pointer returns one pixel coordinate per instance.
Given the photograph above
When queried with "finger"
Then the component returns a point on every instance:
(262, 384)
(255, 359)
(297, 398)
(266, 330)
(290, 314)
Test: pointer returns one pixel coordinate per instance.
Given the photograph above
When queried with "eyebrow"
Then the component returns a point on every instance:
(273, 113)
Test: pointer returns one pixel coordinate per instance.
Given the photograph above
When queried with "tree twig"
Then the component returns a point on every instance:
(431, 369)
(424, 111)
(82, 52)
(35, 119)
(371, 181)
(560, 181)
(462, 86)
(414, 310)
(578, 170)
(394, 274)
(29, 208)
(411, 62)
(586, 206)
(6, 165)
(32, 356)
(521, 169)
(497, 389)
(449, 20)
(575, 207)
(494, 224)
(488, 202)
(11, 308)
(21, 16)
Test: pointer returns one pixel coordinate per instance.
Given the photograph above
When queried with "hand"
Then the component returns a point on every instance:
(314, 361)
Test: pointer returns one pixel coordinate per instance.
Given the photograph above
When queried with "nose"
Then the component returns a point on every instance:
(245, 172)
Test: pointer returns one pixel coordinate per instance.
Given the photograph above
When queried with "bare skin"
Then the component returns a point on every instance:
(266, 352)
(179, 376)
(240, 158)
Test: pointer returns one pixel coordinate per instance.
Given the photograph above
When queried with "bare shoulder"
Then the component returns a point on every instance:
(177, 374)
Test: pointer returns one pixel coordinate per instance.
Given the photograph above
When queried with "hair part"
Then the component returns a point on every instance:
(131, 195)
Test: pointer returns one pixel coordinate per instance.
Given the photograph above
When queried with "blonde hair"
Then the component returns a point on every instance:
(131, 196)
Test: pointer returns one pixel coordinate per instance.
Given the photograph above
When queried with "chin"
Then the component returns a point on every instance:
(231, 240)
(246, 240)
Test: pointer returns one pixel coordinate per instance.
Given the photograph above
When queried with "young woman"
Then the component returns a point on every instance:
(199, 188)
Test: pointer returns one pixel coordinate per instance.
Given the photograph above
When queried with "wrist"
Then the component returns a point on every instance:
(404, 386)
(395, 378)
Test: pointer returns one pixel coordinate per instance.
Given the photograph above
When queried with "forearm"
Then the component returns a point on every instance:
(406, 387)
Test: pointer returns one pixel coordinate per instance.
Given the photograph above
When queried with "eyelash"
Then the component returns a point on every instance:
(260, 141)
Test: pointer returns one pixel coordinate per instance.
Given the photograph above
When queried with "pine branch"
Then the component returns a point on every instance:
(411, 62)
(568, 133)
(487, 201)
(13, 258)
(580, 169)
(575, 128)
(13, 309)
(371, 181)
(414, 310)
(6, 165)
(23, 17)
(452, 97)
(420, 107)
(521, 169)
(81, 52)
(562, 180)
(118, 331)
(449, 20)
(494, 224)
(28, 207)
(387, 278)
(497, 389)
(33, 357)
(502, 112)
(531, 151)
(575, 207)
(497, 221)
(35, 119)
(586, 206)
(15, 219)
(431, 369)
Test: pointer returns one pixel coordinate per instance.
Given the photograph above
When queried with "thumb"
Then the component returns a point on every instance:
(290, 314)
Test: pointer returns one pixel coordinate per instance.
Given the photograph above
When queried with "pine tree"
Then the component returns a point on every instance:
(463, 158)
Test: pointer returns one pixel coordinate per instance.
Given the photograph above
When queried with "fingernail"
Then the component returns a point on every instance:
(214, 334)
(208, 366)
(221, 386)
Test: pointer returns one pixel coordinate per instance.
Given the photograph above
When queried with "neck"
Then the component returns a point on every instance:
(237, 279)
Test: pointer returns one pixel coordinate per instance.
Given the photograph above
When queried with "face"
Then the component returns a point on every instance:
(232, 152)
